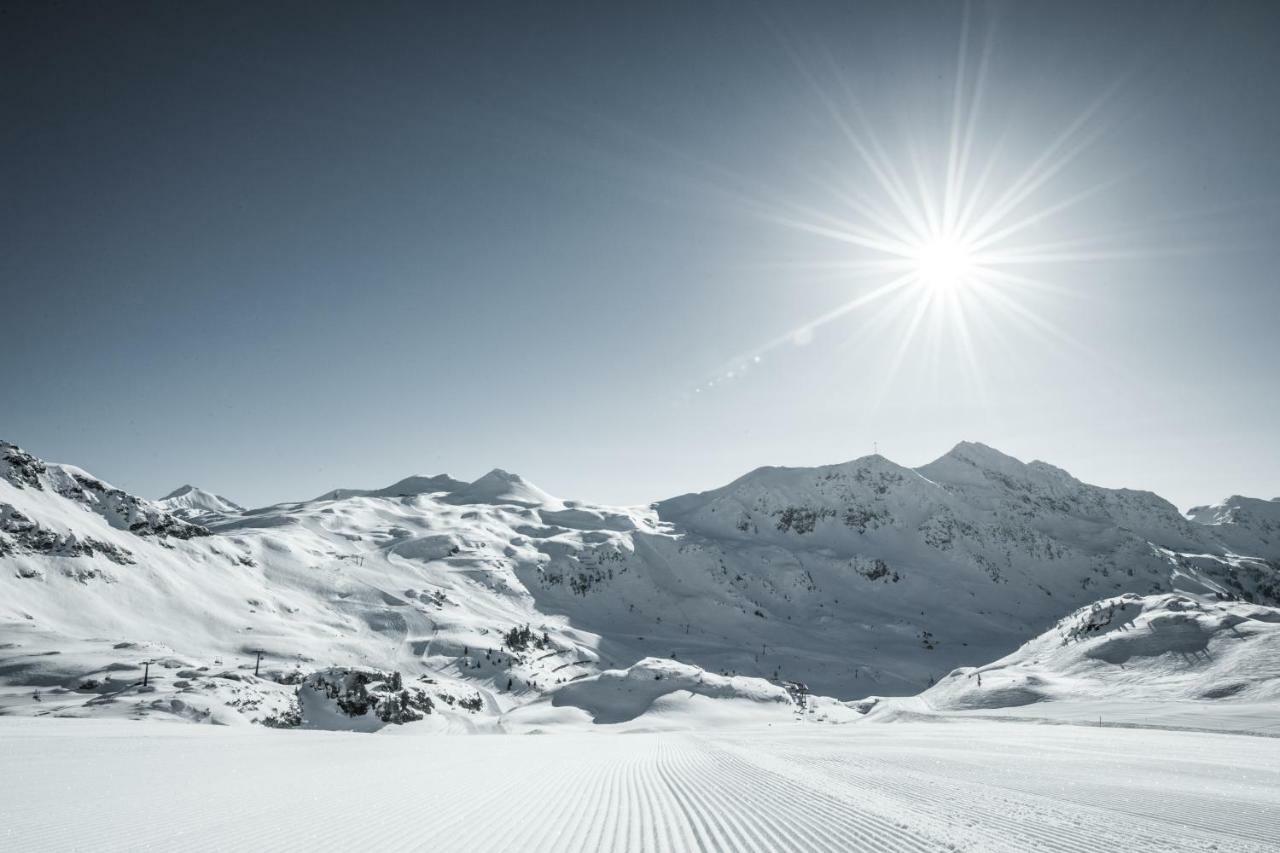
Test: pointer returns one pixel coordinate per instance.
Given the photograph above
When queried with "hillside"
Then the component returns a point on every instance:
(864, 578)
(1170, 659)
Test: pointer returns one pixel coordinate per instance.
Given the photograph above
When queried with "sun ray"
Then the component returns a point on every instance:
(947, 225)
(861, 205)
(892, 181)
(890, 373)
(1031, 318)
(951, 190)
(823, 319)
(999, 277)
(846, 233)
(869, 151)
(1044, 254)
(839, 270)
(961, 145)
(1041, 214)
(932, 215)
(1056, 157)
(964, 340)
(975, 196)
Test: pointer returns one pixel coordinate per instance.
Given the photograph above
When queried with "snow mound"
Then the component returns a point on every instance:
(618, 696)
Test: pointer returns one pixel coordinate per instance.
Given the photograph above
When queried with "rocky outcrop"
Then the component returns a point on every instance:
(120, 509)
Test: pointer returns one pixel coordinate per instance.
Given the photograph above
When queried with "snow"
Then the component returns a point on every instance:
(979, 654)
(190, 502)
(1173, 660)
(497, 487)
(500, 487)
(973, 785)
(414, 485)
(857, 579)
(1248, 525)
(618, 696)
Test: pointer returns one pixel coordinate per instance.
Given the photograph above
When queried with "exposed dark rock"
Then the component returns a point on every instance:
(360, 691)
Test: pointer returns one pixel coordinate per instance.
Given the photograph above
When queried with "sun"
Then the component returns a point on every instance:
(944, 264)
(948, 243)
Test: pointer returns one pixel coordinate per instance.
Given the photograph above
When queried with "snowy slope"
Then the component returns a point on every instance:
(916, 569)
(855, 579)
(1171, 659)
(1249, 525)
(966, 786)
(414, 584)
(1171, 646)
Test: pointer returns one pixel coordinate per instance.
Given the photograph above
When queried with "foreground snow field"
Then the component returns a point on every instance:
(958, 785)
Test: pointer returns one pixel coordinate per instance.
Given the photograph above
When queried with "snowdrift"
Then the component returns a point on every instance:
(619, 696)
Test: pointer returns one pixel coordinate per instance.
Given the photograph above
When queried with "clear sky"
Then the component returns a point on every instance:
(274, 249)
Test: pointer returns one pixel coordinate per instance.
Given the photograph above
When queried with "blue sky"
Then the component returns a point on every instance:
(277, 251)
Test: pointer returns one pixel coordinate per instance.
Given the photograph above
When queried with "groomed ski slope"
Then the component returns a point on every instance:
(971, 785)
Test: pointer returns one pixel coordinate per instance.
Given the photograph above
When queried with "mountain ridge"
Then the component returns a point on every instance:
(856, 578)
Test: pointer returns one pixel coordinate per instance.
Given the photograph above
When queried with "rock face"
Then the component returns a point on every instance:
(121, 510)
(46, 491)
(860, 578)
(19, 534)
(360, 692)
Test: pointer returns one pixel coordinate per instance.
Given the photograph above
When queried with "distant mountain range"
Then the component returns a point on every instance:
(860, 578)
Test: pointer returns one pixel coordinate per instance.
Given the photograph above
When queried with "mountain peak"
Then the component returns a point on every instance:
(180, 491)
(500, 475)
(416, 484)
(188, 501)
(970, 462)
(975, 452)
(503, 487)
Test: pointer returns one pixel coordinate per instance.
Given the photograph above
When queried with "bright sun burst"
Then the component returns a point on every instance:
(942, 242)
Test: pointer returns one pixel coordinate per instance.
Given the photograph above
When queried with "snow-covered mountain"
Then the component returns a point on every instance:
(61, 511)
(859, 578)
(1249, 525)
(191, 503)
